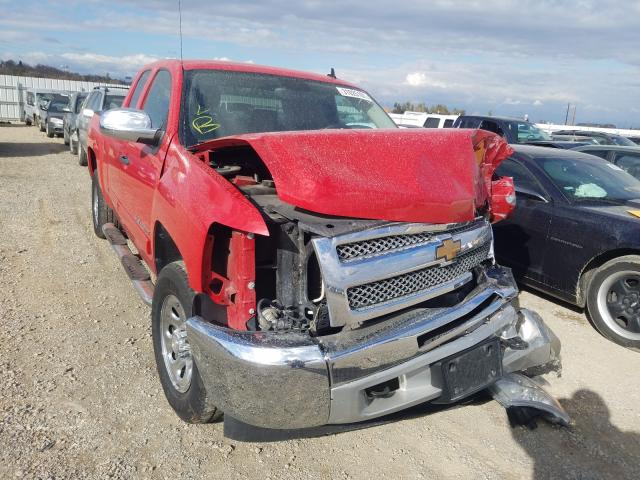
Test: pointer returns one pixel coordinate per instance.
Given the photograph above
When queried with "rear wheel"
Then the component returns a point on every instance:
(100, 211)
(65, 135)
(82, 156)
(49, 130)
(27, 120)
(73, 145)
(40, 124)
(613, 300)
(179, 376)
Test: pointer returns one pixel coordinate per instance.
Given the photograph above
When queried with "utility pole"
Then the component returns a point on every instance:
(573, 120)
(566, 118)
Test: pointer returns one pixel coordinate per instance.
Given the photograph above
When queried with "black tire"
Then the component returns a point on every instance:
(191, 403)
(100, 211)
(41, 125)
(82, 156)
(50, 132)
(613, 300)
(73, 146)
(65, 135)
(27, 120)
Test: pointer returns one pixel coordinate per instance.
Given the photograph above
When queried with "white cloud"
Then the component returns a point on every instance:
(88, 63)
(420, 79)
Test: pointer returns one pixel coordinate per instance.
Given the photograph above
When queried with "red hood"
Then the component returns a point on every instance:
(408, 175)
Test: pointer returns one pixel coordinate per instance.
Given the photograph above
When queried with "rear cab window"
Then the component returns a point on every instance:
(156, 103)
(135, 96)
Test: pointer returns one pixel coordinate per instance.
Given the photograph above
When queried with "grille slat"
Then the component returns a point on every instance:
(382, 291)
(392, 243)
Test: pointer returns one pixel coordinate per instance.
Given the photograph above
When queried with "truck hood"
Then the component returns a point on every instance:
(417, 175)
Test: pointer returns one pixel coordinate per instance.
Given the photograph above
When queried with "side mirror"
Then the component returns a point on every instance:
(87, 112)
(130, 125)
(531, 194)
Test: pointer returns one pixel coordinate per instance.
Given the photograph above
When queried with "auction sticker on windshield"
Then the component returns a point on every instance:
(350, 92)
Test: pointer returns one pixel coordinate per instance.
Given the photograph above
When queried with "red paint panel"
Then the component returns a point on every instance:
(434, 176)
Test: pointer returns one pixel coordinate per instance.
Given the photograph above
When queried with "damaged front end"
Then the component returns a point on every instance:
(334, 319)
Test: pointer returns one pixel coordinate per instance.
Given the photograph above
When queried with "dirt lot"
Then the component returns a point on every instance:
(80, 397)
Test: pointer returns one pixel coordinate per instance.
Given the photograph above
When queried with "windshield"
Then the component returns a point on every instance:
(527, 132)
(113, 101)
(591, 180)
(56, 103)
(624, 141)
(43, 98)
(221, 103)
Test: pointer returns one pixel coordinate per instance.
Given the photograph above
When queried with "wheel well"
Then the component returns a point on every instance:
(165, 250)
(595, 263)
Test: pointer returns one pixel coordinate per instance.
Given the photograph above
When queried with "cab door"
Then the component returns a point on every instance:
(137, 167)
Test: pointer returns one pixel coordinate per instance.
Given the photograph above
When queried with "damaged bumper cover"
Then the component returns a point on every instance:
(290, 380)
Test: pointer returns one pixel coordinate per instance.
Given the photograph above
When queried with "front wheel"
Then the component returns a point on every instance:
(65, 136)
(49, 130)
(41, 125)
(613, 300)
(181, 382)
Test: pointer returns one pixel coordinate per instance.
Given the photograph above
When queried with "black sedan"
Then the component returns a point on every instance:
(575, 234)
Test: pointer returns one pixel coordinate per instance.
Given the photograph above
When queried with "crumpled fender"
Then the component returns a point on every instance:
(407, 175)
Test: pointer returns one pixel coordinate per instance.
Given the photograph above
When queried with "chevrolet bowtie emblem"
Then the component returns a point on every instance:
(448, 249)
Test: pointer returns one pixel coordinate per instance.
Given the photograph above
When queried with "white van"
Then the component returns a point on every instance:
(422, 119)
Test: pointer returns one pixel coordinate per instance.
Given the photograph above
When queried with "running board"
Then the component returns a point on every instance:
(131, 263)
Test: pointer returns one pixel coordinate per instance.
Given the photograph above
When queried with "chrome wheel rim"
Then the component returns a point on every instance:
(619, 303)
(176, 350)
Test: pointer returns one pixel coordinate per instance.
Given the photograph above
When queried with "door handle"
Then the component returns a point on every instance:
(124, 159)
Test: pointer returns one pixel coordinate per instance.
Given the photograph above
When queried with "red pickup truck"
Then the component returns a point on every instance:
(307, 262)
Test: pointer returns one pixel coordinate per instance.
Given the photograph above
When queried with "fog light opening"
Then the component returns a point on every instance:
(383, 390)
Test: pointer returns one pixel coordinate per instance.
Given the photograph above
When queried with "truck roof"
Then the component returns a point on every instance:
(244, 67)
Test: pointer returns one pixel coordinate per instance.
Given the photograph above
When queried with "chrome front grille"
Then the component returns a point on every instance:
(377, 246)
(389, 244)
(375, 293)
(375, 272)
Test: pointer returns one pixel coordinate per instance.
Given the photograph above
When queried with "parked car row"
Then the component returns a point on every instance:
(66, 115)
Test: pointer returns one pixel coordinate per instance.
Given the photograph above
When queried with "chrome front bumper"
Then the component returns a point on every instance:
(289, 380)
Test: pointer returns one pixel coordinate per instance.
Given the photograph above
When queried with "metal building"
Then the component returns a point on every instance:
(13, 88)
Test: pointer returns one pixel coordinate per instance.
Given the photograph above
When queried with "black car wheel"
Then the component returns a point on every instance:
(82, 156)
(65, 135)
(613, 300)
(181, 381)
(100, 211)
(49, 130)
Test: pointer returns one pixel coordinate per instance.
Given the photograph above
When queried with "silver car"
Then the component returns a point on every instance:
(100, 99)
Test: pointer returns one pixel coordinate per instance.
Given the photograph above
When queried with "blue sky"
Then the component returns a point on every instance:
(510, 58)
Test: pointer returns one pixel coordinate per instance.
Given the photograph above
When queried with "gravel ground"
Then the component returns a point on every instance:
(81, 399)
